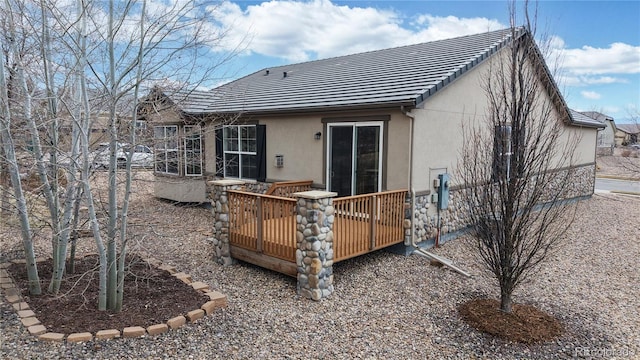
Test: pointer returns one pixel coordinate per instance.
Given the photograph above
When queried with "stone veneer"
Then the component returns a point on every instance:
(455, 217)
(220, 210)
(27, 317)
(314, 254)
(314, 238)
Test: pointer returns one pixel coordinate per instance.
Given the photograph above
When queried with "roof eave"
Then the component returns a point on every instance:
(315, 109)
(584, 124)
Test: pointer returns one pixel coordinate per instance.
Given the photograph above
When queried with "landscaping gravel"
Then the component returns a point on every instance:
(385, 305)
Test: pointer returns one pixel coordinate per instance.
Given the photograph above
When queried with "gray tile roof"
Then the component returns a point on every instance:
(193, 102)
(579, 118)
(629, 128)
(598, 116)
(404, 75)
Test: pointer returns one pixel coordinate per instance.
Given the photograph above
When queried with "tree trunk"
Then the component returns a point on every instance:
(71, 266)
(14, 172)
(505, 301)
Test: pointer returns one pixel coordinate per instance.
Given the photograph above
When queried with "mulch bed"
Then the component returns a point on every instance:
(151, 296)
(525, 323)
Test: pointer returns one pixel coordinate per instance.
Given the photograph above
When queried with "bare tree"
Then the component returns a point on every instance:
(111, 52)
(9, 150)
(517, 165)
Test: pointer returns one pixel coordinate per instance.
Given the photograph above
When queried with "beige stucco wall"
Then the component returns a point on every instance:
(606, 136)
(292, 137)
(209, 145)
(439, 125)
(180, 188)
(304, 157)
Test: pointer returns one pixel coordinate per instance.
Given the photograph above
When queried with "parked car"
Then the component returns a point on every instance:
(101, 154)
(635, 146)
(142, 156)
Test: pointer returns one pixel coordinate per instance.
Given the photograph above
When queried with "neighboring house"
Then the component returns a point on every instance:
(627, 134)
(607, 135)
(357, 124)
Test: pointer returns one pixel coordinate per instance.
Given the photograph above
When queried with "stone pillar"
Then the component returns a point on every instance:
(314, 235)
(220, 204)
(407, 223)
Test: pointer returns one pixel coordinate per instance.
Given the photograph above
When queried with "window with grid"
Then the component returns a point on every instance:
(192, 150)
(240, 151)
(166, 149)
(502, 153)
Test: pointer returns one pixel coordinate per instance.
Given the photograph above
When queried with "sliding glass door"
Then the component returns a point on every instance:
(355, 158)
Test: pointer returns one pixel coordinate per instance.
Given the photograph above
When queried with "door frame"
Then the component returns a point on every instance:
(355, 124)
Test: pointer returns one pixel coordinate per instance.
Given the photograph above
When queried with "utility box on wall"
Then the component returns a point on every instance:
(443, 191)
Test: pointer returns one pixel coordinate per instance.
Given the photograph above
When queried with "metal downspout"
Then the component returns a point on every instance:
(413, 192)
(446, 262)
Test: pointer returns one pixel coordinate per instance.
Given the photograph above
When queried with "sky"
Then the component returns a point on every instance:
(595, 43)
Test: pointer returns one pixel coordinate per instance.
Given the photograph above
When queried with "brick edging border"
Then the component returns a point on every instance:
(28, 319)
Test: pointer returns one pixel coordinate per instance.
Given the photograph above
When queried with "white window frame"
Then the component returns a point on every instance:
(161, 147)
(505, 140)
(192, 133)
(240, 151)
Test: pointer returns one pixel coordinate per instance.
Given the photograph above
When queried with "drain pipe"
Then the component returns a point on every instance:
(446, 262)
(412, 118)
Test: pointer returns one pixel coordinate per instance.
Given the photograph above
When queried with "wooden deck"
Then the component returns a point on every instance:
(263, 227)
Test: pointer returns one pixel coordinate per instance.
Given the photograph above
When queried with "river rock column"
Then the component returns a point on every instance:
(220, 204)
(314, 236)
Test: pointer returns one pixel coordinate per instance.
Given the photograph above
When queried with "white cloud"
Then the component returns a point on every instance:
(618, 58)
(300, 31)
(437, 27)
(592, 95)
(581, 80)
(593, 66)
(587, 61)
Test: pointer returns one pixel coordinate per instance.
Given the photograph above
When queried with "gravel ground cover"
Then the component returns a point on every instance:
(385, 305)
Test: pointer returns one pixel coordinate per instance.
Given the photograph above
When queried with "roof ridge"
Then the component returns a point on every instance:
(262, 70)
(404, 75)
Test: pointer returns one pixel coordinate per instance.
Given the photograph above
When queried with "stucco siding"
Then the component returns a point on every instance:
(180, 189)
(439, 125)
(399, 151)
(293, 137)
(438, 129)
(305, 157)
(209, 148)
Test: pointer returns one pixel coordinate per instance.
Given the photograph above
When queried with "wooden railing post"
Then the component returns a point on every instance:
(220, 203)
(372, 222)
(259, 224)
(314, 240)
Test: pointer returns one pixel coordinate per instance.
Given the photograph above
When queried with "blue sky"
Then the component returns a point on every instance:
(597, 42)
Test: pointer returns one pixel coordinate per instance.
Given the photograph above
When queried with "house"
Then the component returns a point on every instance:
(627, 134)
(606, 135)
(369, 123)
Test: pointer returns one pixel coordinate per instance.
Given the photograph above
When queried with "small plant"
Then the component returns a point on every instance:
(626, 153)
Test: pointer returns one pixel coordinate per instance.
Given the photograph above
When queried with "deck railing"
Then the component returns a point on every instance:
(364, 223)
(287, 188)
(263, 223)
(266, 224)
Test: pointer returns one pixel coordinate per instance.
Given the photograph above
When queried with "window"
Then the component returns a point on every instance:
(502, 153)
(241, 152)
(192, 151)
(510, 146)
(166, 149)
